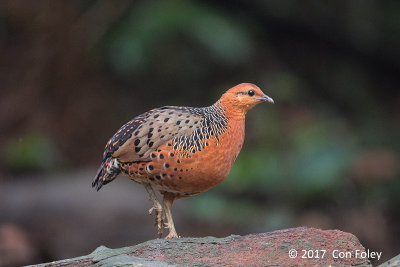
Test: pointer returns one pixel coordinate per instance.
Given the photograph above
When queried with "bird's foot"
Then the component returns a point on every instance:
(159, 218)
(172, 232)
(171, 235)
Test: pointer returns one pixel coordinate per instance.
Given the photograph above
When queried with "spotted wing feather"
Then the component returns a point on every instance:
(188, 128)
(138, 138)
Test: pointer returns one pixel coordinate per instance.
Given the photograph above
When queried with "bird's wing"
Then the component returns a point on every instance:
(142, 135)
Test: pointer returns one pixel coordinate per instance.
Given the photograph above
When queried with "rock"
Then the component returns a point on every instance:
(394, 262)
(312, 246)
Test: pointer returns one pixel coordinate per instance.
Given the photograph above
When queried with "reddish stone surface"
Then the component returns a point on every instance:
(257, 249)
(266, 249)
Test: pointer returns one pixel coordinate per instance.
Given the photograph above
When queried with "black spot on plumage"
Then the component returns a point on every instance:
(158, 177)
(151, 178)
(151, 167)
(140, 169)
(181, 170)
(175, 169)
(213, 122)
(162, 136)
(161, 156)
(137, 149)
(153, 155)
(166, 165)
(151, 144)
(170, 113)
(178, 161)
(171, 155)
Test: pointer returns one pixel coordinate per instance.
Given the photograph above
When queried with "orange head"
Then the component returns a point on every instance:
(243, 97)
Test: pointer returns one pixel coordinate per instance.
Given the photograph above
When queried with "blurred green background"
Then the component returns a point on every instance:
(325, 155)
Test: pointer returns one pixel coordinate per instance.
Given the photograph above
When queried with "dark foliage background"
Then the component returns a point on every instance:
(325, 155)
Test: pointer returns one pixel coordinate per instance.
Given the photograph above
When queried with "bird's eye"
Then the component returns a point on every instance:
(251, 93)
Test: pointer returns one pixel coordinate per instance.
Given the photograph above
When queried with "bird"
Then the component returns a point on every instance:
(180, 151)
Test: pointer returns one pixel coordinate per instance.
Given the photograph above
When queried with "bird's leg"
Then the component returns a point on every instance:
(157, 207)
(167, 203)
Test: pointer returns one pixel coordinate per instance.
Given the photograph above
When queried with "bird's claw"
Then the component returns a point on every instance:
(169, 236)
(151, 210)
(172, 234)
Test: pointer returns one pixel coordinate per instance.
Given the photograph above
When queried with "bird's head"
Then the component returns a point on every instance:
(243, 97)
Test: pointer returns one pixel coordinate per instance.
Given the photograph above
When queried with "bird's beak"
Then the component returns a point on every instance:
(266, 98)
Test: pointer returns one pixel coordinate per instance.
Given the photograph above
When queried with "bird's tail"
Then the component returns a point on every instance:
(108, 171)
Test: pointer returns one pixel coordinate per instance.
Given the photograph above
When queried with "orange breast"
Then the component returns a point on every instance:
(169, 170)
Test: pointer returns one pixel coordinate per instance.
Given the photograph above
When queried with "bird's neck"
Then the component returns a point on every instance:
(234, 135)
(235, 122)
(231, 112)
